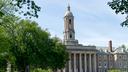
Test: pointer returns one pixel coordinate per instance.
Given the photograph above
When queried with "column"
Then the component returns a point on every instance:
(70, 70)
(80, 62)
(95, 65)
(85, 63)
(90, 64)
(74, 62)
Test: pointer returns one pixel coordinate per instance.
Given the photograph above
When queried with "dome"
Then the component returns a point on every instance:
(68, 12)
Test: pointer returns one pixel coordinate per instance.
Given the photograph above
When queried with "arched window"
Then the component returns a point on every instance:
(70, 36)
(69, 21)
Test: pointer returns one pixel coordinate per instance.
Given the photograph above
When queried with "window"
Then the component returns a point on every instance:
(70, 36)
(105, 64)
(99, 64)
(120, 57)
(69, 21)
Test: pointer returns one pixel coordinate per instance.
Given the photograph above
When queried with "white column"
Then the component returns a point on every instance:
(85, 63)
(80, 62)
(74, 62)
(95, 65)
(90, 64)
(70, 70)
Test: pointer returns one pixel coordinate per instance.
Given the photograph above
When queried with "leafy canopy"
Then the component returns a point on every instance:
(28, 44)
(120, 6)
(26, 7)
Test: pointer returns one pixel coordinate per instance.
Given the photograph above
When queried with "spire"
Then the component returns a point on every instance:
(68, 7)
(68, 12)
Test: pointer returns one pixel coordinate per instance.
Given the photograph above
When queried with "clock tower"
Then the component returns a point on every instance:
(69, 32)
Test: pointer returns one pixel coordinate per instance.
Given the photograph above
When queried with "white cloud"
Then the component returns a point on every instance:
(95, 22)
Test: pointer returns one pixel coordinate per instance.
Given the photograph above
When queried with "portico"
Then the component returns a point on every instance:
(81, 61)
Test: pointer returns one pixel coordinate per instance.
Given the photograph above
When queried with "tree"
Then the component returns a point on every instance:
(58, 56)
(6, 7)
(31, 46)
(5, 46)
(26, 7)
(123, 46)
(31, 8)
(2, 65)
(120, 6)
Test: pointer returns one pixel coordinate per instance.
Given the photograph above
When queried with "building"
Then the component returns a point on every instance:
(112, 58)
(90, 58)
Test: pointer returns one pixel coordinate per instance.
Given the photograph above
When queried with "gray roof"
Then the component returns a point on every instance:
(120, 50)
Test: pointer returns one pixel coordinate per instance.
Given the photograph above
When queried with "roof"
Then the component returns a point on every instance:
(68, 12)
(120, 50)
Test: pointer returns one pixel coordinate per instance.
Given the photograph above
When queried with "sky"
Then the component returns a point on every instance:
(95, 22)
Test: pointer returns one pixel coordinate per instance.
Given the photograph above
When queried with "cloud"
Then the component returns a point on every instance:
(95, 22)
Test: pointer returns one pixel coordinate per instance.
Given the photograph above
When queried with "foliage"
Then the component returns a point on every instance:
(31, 8)
(2, 64)
(41, 70)
(120, 6)
(4, 44)
(5, 55)
(123, 46)
(29, 45)
(26, 7)
(6, 7)
(58, 57)
(114, 70)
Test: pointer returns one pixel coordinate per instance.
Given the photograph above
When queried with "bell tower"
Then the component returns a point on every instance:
(69, 32)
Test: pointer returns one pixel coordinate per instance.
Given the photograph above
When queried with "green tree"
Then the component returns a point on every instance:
(2, 64)
(6, 28)
(58, 56)
(26, 7)
(31, 7)
(123, 46)
(6, 7)
(31, 46)
(3, 46)
(120, 6)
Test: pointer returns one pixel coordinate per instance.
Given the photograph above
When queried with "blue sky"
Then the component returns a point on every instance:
(95, 22)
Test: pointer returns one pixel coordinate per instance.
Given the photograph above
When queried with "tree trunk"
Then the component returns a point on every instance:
(8, 66)
(21, 69)
(54, 70)
(27, 68)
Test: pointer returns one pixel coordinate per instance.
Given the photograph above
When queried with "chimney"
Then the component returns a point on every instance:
(110, 46)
